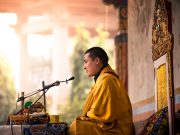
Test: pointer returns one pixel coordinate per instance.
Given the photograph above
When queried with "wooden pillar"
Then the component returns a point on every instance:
(121, 45)
(121, 57)
(121, 40)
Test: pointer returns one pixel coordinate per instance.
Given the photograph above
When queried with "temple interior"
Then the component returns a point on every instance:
(143, 37)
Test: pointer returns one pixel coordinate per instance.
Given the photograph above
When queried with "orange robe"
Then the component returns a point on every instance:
(107, 110)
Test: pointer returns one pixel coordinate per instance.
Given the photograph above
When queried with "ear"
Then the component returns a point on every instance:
(97, 60)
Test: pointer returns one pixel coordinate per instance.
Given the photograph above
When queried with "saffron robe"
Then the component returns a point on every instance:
(107, 110)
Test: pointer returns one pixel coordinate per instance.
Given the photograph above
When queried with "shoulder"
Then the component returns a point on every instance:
(108, 76)
(107, 79)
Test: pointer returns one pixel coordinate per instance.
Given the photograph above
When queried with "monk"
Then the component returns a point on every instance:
(107, 110)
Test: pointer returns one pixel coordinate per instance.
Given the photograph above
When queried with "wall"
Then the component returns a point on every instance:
(176, 49)
(140, 63)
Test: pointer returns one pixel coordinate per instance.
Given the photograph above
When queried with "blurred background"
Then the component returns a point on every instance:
(45, 40)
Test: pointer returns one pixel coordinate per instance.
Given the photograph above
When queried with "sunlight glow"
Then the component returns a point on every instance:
(8, 18)
(40, 45)
(9, 46)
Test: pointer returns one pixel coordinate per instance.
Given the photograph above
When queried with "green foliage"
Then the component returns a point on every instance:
(7, 91)
(102, 35)
(81, 82)
(72, 110)
(101, 41)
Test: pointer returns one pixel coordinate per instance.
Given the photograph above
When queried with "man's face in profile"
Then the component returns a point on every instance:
(91, 65)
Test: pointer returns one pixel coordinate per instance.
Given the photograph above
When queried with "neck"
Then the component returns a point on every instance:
(97, 75)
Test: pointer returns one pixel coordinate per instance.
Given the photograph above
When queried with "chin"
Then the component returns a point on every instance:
(91, 75)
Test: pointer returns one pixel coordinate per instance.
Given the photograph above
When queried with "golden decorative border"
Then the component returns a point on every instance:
(162, 45)
(18, 119)
(161, 38)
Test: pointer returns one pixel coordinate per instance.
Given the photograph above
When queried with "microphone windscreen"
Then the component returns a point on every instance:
(72, 78)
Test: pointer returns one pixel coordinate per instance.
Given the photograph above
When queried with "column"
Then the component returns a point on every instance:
(60, 67)
(121, 45)
(23, 56)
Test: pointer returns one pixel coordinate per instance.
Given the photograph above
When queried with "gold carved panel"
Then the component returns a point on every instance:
(162, 57)
(161, 87)
(161, 38)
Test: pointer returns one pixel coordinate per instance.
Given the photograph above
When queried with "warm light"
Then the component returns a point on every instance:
(9, 46)
(39, 45)
(8, 18)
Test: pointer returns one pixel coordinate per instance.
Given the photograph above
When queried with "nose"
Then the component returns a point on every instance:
(84, 67)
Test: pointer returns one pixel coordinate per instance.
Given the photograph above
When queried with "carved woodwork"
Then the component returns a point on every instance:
(161, 55)
(161, 38)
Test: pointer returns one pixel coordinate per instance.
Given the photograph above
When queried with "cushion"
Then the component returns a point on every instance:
(157, 124)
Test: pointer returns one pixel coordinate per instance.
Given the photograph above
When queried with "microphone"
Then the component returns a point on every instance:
(72, 78)
(56, 83)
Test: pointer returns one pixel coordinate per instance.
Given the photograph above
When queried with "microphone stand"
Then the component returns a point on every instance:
(44, 89)
(23, 97)
(44, 93)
